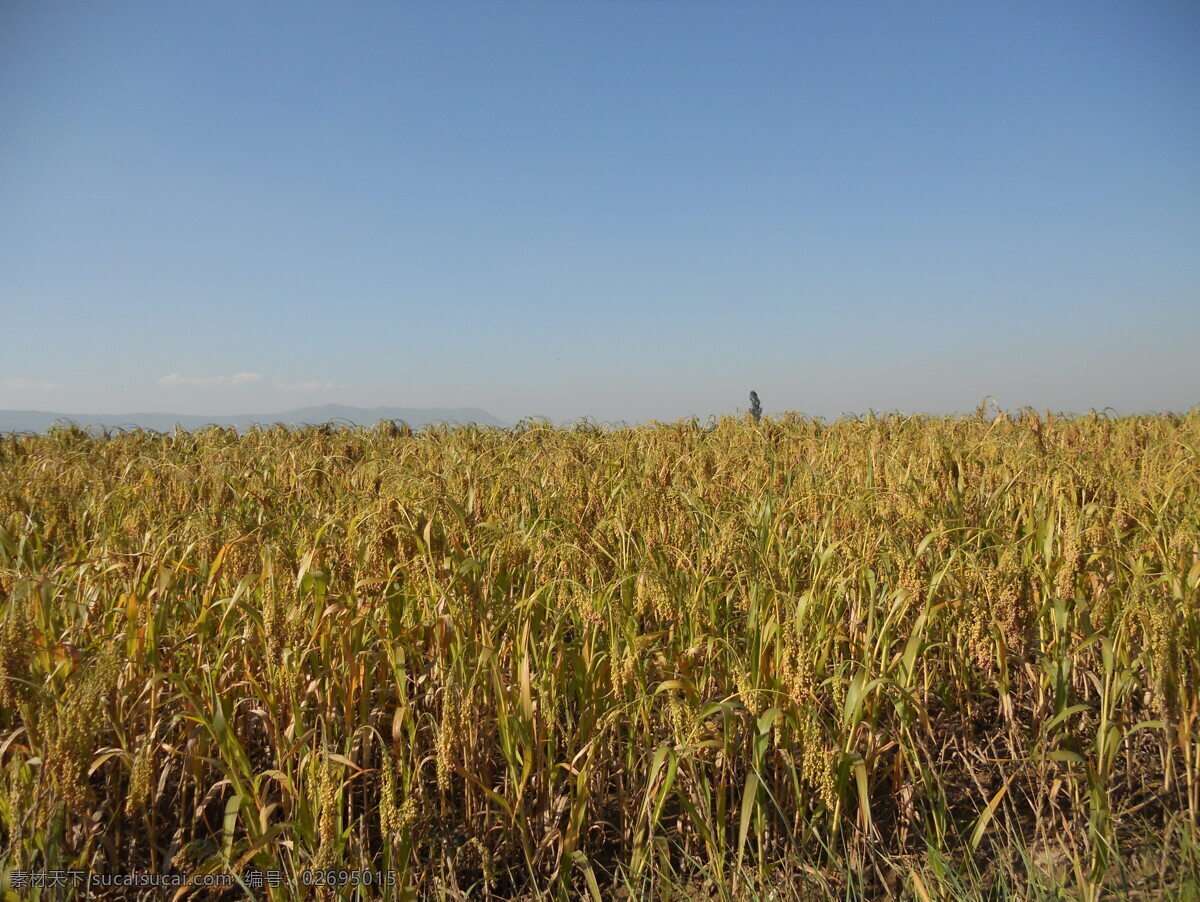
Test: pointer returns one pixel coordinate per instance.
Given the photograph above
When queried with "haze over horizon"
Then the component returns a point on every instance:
(620, 211)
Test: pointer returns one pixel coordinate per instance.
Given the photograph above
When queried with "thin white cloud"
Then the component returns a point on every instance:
(175, 379)
(305, 386)
(21, 384)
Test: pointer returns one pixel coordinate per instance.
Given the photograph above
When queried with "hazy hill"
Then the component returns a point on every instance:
(41, 420)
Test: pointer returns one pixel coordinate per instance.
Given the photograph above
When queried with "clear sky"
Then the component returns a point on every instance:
(609, 209)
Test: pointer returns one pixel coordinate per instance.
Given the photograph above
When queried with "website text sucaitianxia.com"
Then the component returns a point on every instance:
(251, 879)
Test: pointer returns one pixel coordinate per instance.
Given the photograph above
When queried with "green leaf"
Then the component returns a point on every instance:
(766, 720)
(589, 877)
(1066, 755)
(749, 795)
(986, 817)
(342, 759)
(230, 822)
(1060, 717)
(864, 798)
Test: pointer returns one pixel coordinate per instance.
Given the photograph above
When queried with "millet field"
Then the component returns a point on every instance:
(923, 657)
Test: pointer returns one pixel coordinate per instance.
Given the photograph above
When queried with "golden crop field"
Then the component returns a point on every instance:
(928, 658)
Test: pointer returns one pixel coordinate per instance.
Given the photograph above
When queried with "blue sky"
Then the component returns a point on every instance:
(614, 210)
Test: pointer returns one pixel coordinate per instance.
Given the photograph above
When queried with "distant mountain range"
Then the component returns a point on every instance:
(41, 420)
